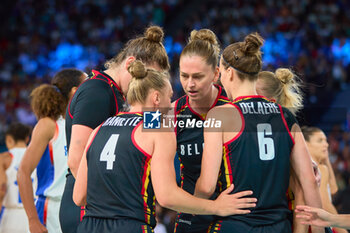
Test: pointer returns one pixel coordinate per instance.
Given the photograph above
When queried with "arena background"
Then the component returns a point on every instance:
(37, 38)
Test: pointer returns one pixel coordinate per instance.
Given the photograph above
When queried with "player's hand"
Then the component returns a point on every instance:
(230, 204)
(313, 216)
(35, 226)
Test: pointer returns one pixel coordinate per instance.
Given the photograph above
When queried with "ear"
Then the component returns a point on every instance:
(232, 73)
(217, 74)
(156, 98)
(9, 141)
(72, 91)
(128, 61)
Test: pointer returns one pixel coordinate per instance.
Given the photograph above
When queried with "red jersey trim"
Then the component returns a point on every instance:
(98, 129)
(134, 141)
(242, 127)
(175, 114)
(285, 123)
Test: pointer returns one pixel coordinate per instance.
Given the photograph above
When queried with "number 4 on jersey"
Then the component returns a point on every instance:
(107, 154)
(266, 144)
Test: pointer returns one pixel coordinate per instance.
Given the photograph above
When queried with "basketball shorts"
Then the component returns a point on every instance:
(188, 223)
(229, 226)
(106, 225)
(14, 220)
(48, 209)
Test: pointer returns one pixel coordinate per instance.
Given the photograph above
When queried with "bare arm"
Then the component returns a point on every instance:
(332, 181)
(322, 218)
(171, 196)
(79, 138)
(42, 134)
(301, 164)
(80, 186)
(5, 161)
(211, 161)
(294, 185)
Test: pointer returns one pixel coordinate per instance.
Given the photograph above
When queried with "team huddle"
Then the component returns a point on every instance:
(91, 166)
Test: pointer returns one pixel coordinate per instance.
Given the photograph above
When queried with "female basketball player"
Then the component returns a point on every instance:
(284, 87)
(254, 148)
(47, 151)
(100, 97)
(317, 144)
(198, 72)
(123, 160)
(14, 218)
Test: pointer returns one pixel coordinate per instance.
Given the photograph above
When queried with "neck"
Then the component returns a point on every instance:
(203, 105)
(243, 89)
(136, 108)
(20, 145)
(115, 73)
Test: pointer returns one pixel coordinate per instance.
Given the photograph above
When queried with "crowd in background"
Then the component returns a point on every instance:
(40, 37)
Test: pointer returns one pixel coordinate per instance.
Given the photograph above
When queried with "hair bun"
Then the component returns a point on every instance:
(204, 34)
(154, 33)
(252, 44)
(137, 69)
(284, 75)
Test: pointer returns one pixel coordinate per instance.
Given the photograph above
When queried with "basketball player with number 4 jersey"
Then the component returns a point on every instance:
(254, 149)
(14, 217)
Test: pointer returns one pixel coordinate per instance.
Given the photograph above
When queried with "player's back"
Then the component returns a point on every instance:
(258, 159)
(119, 181)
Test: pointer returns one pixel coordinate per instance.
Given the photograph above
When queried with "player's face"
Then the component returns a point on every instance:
(165, 98)
(318, 145)
(196, 76)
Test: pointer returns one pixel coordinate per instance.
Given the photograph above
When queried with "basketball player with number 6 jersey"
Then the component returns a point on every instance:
(255, 147)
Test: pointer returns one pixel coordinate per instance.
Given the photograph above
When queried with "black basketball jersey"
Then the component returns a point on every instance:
(190, 139)
(96, 99)
(119, 179)
(258, 159)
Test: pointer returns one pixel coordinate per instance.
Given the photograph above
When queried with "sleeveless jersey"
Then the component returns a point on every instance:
(190, 140)
(12, 198)
(96, 99)
(52, 167)
(258, 159)
(119, 180)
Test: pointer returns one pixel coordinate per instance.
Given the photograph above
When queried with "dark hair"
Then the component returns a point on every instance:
(245, 57)
(309, 131)
(51, 100)
(66, 79)
(18, 131)
(203, 43)
(147, 48)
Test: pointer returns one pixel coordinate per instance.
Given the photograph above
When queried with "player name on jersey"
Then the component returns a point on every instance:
(119, 121)
(259, 108)
(191, 149)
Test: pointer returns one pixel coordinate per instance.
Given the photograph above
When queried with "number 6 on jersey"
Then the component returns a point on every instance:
(107, 154)
(266, 144)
